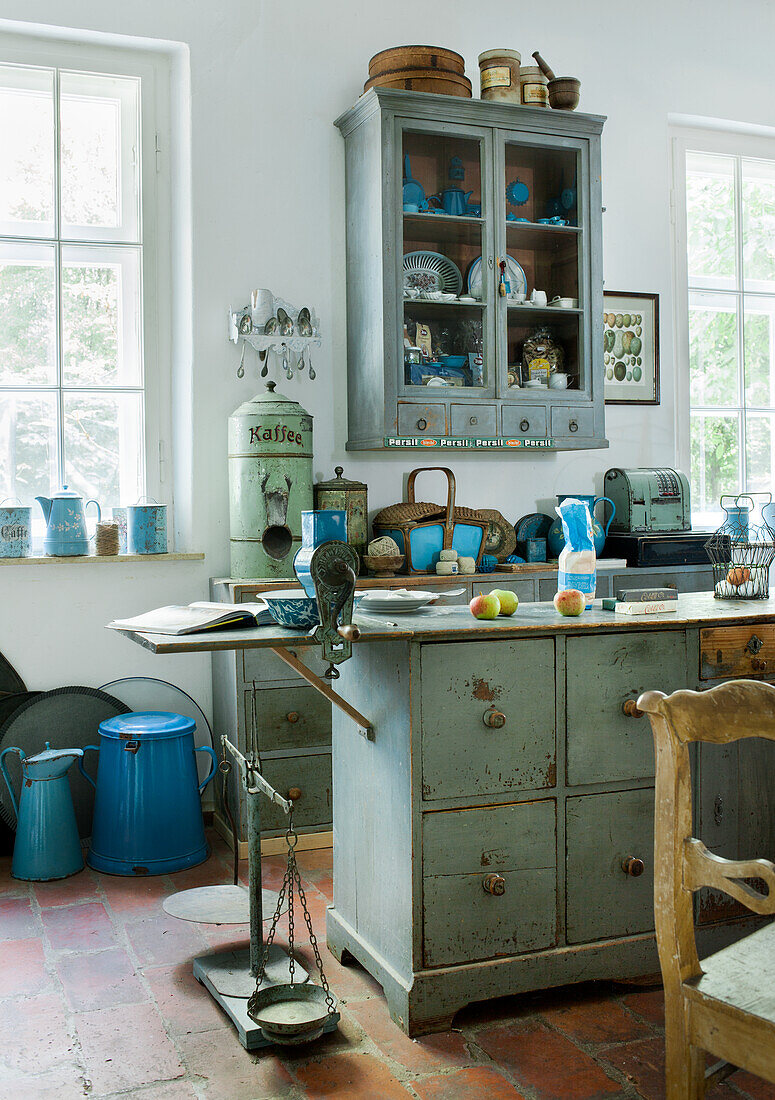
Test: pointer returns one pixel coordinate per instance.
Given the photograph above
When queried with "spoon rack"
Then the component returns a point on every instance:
(293, 346)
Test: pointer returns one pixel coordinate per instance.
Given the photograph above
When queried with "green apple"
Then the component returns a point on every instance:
(508, 600)
(485, 606)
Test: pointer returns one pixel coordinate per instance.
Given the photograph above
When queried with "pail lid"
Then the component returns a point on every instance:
(148, 724)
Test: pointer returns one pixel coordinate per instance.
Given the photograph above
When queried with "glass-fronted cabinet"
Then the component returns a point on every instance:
(473, 274)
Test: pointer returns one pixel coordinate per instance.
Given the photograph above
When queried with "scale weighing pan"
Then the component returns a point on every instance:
(219, 904)
(68, 718)
(291, 1014)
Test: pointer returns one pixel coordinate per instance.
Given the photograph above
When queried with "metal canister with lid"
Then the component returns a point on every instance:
(270, 483)
(351, 497)
(499, 75)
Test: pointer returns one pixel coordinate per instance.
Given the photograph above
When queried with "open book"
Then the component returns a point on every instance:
(196, 617)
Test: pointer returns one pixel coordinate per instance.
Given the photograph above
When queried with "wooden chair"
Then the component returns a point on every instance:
(724, 1005)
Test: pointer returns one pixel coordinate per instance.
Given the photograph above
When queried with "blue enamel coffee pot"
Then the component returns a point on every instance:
(65, 516)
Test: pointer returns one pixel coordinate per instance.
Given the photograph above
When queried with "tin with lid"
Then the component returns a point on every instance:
(499, 76)
(534, 87)
(351, 497)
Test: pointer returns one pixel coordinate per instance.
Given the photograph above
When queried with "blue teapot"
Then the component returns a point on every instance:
(452, 201)
(555, 540)
(65, 516)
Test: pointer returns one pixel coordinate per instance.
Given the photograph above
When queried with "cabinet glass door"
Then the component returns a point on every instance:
(448, 336)
(541, 241)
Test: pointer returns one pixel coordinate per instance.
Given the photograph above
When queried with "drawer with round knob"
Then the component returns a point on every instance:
(570, 422)
(421, 419)
(289, 718)
(306, 781)
(473, 420)
(523, 420)
(729, 652)
(610, 872)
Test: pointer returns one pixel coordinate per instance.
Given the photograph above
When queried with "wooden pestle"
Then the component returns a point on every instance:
(543, 66)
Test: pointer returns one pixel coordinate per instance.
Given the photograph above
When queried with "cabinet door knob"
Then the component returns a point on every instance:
(573, 425)
(494, 719)
(294, 794)
(633, 866)
(422, 423)
(494, 884)
(473, 420)
(292, 716)
(630, 708)
(524, 425)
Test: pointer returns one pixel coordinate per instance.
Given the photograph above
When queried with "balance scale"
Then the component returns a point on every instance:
(231, 976)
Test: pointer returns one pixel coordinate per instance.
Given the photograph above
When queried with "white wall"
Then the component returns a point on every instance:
(267, 79)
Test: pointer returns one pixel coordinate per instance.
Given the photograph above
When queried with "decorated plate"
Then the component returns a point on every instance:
(429, 271)
(517, 277)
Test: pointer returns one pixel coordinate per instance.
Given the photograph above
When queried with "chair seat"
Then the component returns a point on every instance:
(741, 975)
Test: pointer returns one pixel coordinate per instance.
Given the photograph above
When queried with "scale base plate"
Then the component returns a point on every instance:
(231, 970)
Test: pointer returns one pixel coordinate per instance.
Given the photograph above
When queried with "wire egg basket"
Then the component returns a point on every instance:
(742, 551)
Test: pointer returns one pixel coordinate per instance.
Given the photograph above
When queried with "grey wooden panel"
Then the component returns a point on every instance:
(716, 821)
(312, 775)
(474, 420)
(603, 830)
(518, 420)
(415, 418)
(262, 665)
(699, 580)
(604, 744)
(461, 921)
(289, 717)
(547, 586)
(565, 416)
(462, 756)
(525, 590)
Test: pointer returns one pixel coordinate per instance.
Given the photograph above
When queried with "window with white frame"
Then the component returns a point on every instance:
(76, 268)
(725, 237)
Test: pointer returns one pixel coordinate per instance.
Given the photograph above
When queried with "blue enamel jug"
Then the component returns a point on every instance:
(65, 516)
(147, 809)
(47, 843)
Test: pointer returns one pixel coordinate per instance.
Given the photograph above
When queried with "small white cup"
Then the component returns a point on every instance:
(261, 307)
(538, 297)
(558, 381)
(517, 296)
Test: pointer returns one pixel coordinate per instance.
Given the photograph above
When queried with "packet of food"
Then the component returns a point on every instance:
(578, 561)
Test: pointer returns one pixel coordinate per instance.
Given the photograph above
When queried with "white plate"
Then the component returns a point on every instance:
(516, 275)
(429, 271)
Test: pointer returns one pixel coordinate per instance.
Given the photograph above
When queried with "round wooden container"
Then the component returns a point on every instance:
(499, 76)
(534, 87)
(399, 58)
(423, 80)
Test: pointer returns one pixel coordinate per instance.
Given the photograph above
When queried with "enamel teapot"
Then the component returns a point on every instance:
(65, 516)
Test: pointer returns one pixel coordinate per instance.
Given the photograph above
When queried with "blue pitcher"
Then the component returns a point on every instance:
(556, 540)
(47, 843)
(65, 516)
(147, 809)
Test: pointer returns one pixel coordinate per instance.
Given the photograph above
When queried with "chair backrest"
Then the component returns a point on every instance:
(682, 864)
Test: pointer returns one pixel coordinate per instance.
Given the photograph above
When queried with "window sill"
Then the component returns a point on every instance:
(93, 559)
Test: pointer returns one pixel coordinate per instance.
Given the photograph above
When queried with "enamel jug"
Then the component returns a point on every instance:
(556, 539)
(65, 516)
(47, 844)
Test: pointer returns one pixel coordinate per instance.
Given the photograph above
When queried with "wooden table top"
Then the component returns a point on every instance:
(457, 624)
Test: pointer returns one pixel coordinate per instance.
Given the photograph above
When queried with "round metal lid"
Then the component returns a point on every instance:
(340, 482)
(147, 724)
(270, 402)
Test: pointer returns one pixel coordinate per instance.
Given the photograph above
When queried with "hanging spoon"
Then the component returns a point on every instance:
(241, 367)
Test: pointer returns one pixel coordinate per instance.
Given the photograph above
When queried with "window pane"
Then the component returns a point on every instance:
(103, 446)
(101, 316)
(27, 314)
(99, 121)
(759, 224)
(28, 445)
(759, 454)
(26, 151)
(715, 443)
(713, 349)
(710, 215)
(759, 345)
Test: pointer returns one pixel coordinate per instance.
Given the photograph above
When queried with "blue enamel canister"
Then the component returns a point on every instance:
(146, 528)
(147, 809)
(14, 530)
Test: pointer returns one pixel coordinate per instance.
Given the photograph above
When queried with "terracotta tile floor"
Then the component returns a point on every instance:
(97, 1000)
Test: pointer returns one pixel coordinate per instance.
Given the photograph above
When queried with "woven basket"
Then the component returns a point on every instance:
(407, 513)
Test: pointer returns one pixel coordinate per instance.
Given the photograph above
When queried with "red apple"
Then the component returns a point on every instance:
(508, 600)
(485, 606)
(570, 602)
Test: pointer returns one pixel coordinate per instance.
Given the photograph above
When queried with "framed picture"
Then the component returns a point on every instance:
(631, 348)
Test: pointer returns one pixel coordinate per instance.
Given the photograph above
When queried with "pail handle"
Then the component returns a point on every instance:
(7, 778)
(206, 748)
(607, 500)
(82, 770)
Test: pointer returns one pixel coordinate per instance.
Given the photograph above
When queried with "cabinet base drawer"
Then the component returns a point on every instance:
(728, 652)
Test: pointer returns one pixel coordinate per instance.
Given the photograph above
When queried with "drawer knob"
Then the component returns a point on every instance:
(292, 716)
(524, 424)
(494, 719)
(758, 664)
(573, 425)
(630, 708)
(494, 884)
(294, 794)
(633, 866)
(473, 420)
(422, 424)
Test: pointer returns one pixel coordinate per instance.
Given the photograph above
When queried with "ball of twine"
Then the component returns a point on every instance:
(107, 540)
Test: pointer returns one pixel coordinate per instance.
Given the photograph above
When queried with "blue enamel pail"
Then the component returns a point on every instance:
(146, 528)
(147, 809)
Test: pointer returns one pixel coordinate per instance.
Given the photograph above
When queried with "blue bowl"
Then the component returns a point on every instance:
(293, 609)
(453, 360)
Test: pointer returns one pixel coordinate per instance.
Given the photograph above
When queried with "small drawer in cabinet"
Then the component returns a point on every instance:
(307, 779)
(524, 420)
(289, 718)
(489, 882)
(473, 420)
(568, 422)
(488, 718)
(609, 739)
(610, 873)
(262, 665)
(421, 419)
(728, 652)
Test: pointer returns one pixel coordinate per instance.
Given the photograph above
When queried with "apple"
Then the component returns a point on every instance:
(570, 602)
(485, 606)
(508, 600)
